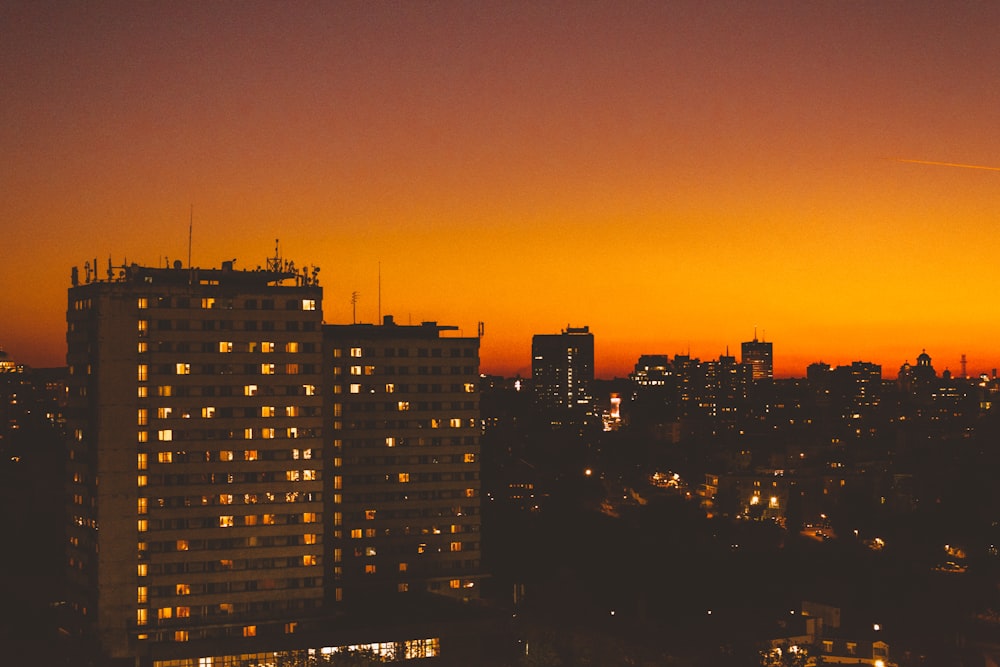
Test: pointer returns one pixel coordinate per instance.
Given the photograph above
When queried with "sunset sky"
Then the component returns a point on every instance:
(672, 174)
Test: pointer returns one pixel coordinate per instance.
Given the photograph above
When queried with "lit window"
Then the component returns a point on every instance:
(470, 388)
(225, 499)
(309, 389)
(164, 413)
(291, 347)
(141, 480)
(337, 353)
(226, 521)
(356, 533)
(248, 433)
(250, 390)
(291, 369)
(143, 462)
(225, 346)
(369, 370)
(143, 347)
(292, 411)
(141, 615)
(143, 569)
(143, 327)
(249, 630)
(180, 635)
(355, 370)
(455, 583)
(164, 390)
(455, 422)
(143, 417)
(165, 612)
(142, 505)
(390, 441)
(402, 587)
(310, 538)
(309, 517)
(183, 369)
(183, 612)
(470, 493)
(403, 567)
(182, 545)
(207, 302)
(165, 435)
(142, 595)
(390, 388)
(469, 457)
(370, 515)
(355, 388)
(143, 303)
(338, 482)
(267, 519)
(309, 475)
(355, 351)
(308, 304)
(267, 411)
(143, 372)
(370, 568)
(267, 347)
(143, 525)
(267, 433)
(143, 391)
(249, 454)
(165, 457)
(403, 406)
(403, 477)
(267, 369)
(309, 559)
(208, 412)
(290, 627)
(455, 546)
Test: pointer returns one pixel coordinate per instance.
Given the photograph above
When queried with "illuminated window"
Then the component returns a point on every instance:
(143, 347)
(309, 475)
(422, 547)
(267, 369)
(164, 390)
(250, 520)
(291, 347)
(469, 457)
(309, 559)
(403, 406)
(267, 411)
(143, 418)
(142, 595)
(470, 493)
(309, 389)
(207, 302)
(183, 369)
(164, 413)
(390, 441)
(290, 627)
(403, 567)
(390, 388)
(338, 409)
(455, 583)
(370, 568)
(142, 462)
(249, 454)
(142, 505)
(249, 630)
(143, 525)
(291, 411)
(403, 477)
(142, 392)
(142, 436)
(337, 353)
(180, 635)
(291, 369)
(143, 569)
(183, 612)
(267, 519)
(225, 346)
(292, 432)
(338, 518)
(338, 482)
(470, 388)
(143, 327)
(402, 587)
(310, 538)
(267, 347)
(250, 390)
(355, 388)
(455, 546)
(226, 521)
(355, 370)
(248, 433)
(182, 545)
(356, 533)
(165, 435)
(165, 457)
(309, 517)
(141, 480)
(308, 304)
(143, 372)
(355, 351)
(164, 612)
(369, 370)
(369, 515)
(455, 422)
(142, 302)
(225, 499)
(208, 412)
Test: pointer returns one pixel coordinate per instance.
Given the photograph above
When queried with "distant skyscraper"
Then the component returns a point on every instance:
(562, 369)
(759, 356)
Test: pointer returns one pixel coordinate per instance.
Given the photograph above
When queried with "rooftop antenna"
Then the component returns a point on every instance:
(274, 263)
(354, 307)
(379, 292)
(190, 234)
(964, 368)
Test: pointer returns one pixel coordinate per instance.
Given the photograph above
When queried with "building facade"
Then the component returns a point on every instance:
(562, 371)
(759, 355)
(195, 457)
(404, 425)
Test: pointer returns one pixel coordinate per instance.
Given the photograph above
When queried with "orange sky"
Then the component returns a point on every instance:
(670, 174)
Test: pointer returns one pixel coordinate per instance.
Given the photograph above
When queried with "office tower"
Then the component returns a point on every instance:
(759, 356)
(403, 418)
(195, 457)
(651, 370)
(562, 370)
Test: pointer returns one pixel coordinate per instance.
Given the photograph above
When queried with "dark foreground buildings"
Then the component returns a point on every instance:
(240, 477)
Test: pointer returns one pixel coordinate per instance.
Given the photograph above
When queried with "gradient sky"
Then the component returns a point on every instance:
(671, 174)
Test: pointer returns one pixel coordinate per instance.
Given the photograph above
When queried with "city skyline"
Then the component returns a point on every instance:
(671, 176)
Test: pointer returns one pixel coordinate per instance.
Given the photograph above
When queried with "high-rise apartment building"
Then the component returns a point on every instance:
(404, 422)
(562, 370)
(760, 357)
(195, 461)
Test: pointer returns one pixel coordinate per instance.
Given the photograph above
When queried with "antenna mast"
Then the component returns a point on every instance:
(190, 233)
(354, 307)
(379, 292)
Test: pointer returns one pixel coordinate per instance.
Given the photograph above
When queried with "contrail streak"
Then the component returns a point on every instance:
(946, 164)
